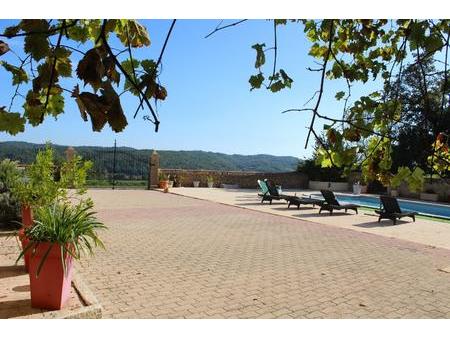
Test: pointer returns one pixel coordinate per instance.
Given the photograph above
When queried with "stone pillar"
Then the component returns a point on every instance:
(153, 171)
(70, 153)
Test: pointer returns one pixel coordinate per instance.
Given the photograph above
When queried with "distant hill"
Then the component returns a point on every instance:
(133, 163)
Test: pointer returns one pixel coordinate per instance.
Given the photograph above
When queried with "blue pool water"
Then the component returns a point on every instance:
(429, 209)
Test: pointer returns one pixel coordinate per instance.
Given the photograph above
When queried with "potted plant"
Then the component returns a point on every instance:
(178, 181)
(196, 184)
(163, 181)
(210, 181)
(36, 188)
(170, 181)
(60, 234)
(356, 188)
(41, 186)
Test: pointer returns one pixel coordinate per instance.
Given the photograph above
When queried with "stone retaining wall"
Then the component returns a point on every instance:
(439, 187)
(334, 186)
(242, 178)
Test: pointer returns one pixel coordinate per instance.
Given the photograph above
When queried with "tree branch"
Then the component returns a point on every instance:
(158, 62)
(49, 32)
(322, 80)
(128, 77)
(53, 70)
(224, 27)
(275, 52)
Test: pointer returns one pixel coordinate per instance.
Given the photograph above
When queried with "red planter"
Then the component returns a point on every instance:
(163, 184)
(27, 216)
(51, 289)
(27, 221)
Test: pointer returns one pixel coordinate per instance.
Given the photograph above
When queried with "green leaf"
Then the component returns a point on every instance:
(433, 43)
(36, 44)
(148, 65)
(132, 32)
(19, 75)
(287, 81)
(79, 32)
(339, 95)
(34, 108)
(63, 63)
(276, 86)
(260, 56)
(280, 21)
(11, 31)
(256, 81)
(11, 123)
(55, 104)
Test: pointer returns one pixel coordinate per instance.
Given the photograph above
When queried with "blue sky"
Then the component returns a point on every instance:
(209, 105)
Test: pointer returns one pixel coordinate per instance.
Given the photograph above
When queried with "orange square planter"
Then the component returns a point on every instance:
(51, 289)
(27, 221)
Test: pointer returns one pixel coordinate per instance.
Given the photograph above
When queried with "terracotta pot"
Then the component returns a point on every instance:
(27, 216)
(24, 241)
(163, 184)
(51, 289)
(27, 221)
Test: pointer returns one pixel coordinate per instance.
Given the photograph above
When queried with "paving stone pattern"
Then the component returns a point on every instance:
(171, 256)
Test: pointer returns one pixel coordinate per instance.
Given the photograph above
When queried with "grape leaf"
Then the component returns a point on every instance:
(132, 32)
(339, 95)
(11, 31)
(19, 75)
(91, 69)
(256, 81)
(260, 56)
(36, 44)
(116, 117)
(92, 104)
(11, 123)
(55, 104)
(4, 48)
(63, 63)
(34, 108)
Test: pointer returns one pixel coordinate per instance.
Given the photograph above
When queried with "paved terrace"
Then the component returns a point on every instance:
(424, 231)
(171, 256)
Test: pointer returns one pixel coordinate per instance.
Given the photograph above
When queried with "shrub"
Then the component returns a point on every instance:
(44, 182)
(315, 172)
(9, 205)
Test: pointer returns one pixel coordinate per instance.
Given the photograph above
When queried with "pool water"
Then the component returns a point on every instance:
(423, 208)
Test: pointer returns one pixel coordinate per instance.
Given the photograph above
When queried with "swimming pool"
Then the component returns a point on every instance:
(423, 208)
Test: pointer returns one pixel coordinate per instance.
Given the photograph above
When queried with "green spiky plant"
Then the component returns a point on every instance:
(72, 228)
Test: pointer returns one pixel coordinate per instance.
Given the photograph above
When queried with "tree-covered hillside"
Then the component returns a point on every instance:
(133, 163)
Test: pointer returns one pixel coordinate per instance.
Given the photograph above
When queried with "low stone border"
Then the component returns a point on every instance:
(91, 308)
(7, 233)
